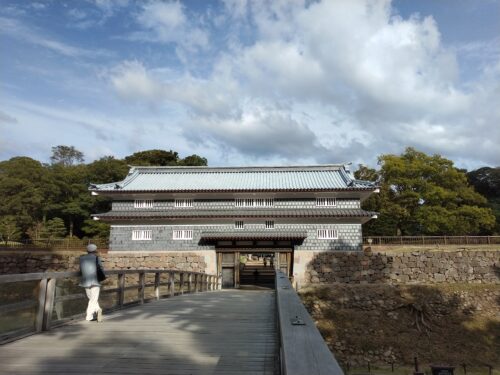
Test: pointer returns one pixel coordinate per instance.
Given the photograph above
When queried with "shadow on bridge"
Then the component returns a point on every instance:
(220, 332)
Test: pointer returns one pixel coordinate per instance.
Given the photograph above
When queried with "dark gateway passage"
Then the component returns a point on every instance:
(252, 268)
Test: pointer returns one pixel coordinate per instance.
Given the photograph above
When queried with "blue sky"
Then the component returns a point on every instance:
(252, 82)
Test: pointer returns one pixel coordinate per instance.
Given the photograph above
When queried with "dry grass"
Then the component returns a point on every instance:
(454, 323)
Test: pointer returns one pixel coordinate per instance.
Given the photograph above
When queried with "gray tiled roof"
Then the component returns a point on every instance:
(255, 235)
(205, 179)
(235, 213)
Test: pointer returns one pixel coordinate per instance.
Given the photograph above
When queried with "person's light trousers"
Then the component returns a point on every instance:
(93, 296)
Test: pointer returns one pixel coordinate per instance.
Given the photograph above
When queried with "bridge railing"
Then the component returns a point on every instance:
(430, 240)
(60, 244)
(302, 348)
(35, 302)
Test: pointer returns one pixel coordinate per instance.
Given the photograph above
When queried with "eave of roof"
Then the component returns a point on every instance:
(244, 213)
(372, 188)
(254, 235)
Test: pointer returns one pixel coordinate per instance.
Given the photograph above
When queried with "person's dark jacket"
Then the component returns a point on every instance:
(88, 269)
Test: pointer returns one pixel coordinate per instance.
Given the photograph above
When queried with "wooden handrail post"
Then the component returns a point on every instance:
(171, 283)
(121, 289)
(49, 304)
(142, 282)
(190, 282)
(489, 240)
(157, 286)
(181, 283)
(42, 293)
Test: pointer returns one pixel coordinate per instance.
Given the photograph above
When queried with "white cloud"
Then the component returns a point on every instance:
(343, 78)
(166, 22)
(7, 119)
(19, 30)
(132, 82)
(109, 7)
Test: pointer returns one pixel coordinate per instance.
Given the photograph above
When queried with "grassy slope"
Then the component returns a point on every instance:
(461, 322)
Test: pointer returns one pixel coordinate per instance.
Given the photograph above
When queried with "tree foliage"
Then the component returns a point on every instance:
(46, 201)
(66, 155)
(424, 195)
(54, 228)
(153, 157)
(486, 181)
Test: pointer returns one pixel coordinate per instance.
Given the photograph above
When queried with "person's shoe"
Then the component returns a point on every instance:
(99, 315)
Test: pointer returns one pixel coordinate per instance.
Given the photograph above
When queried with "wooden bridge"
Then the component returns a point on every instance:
(202, 330)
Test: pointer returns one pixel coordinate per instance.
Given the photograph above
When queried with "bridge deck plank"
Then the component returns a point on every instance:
(221, 332)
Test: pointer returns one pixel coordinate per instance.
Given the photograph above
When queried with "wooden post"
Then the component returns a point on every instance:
(489, 240)
(49, 304)
(157, 285)
(142, 282)
(445, 240)
(181, 283)
(237, 269)
(467, 240)
(121, 289)
(195, 282)
(42, 293)
(171, 283)
(190, 282)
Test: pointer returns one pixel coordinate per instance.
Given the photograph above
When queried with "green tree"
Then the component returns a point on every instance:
(426, 195)
(107, 169)
(486, 181)
(153, 158)
(193, 160)
(25, 190)
(9, 229)
(366, 173)
(74, 203)
(66, 155)
(54, 228)
(96, 229)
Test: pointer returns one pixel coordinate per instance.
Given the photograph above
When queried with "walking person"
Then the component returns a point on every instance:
(92, 274)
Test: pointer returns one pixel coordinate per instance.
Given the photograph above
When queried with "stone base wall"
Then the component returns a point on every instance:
(26, 262)
(416, 267)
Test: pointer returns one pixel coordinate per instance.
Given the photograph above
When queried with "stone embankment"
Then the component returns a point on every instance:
(26, 261)
(416, 267)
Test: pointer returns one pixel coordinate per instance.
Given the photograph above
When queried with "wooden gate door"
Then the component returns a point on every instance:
(227, 277)
(228, 268)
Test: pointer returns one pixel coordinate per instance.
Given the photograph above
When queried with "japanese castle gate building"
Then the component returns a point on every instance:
(290, 213)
